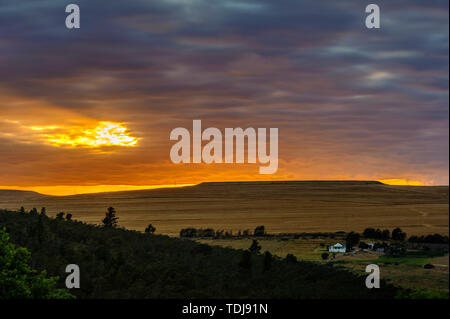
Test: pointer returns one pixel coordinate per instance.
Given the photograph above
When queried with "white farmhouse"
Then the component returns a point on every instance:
(337, 248)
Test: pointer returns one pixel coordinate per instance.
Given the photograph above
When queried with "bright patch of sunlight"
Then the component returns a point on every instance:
(399, 182)
(104, 134)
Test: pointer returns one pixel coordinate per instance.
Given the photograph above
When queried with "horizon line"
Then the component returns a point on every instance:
(71, 190)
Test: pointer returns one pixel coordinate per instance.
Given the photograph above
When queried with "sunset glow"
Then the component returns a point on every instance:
(401, 182)
(74, 190)
(96, 106)
(105, 134)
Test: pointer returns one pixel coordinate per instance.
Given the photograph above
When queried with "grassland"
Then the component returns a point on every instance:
(405, 271)
(283, 207)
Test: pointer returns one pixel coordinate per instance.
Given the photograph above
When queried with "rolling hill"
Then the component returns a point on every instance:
(14, 196)
(311, 206)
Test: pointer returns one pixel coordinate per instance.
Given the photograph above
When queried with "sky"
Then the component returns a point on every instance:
(92, 109)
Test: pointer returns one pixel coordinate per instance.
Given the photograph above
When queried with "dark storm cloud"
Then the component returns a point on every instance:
(310, 67)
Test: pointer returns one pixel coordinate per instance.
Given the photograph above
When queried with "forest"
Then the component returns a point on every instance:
(119, 263)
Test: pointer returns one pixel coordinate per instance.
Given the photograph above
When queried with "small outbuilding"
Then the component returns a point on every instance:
(337, 248)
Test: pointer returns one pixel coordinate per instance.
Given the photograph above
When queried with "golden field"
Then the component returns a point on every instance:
(283, 207)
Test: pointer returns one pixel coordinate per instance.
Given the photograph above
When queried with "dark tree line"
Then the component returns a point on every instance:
(429, 239)
(192, 232)
(352, 239)
(397, 234)
(377, 233)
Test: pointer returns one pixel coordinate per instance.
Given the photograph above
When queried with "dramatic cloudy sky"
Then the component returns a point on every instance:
(350, 103)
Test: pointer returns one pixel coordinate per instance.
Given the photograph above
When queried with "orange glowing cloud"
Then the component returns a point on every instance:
(104, 134)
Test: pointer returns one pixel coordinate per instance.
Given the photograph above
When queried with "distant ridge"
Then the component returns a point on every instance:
(10, 195)
(343, 182)
(15, 191)
(26, 195)
(13, 194)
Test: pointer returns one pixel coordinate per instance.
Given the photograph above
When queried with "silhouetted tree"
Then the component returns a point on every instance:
(376, 233)
(43, 211)
(69, 216)
(352, 239)
(110, 219)
(22, 210)
(255, 247)
(259, 231)
(150, 229)
(369, 233)
(60, 215)
(385, 234)
(398, 234)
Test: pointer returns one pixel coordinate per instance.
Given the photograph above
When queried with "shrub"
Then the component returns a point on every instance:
(19, 280)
